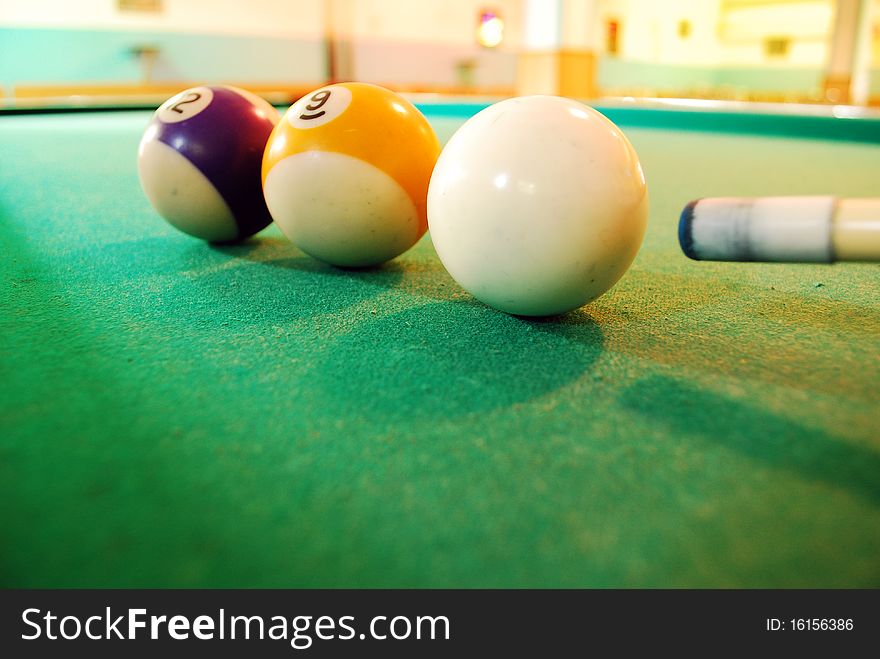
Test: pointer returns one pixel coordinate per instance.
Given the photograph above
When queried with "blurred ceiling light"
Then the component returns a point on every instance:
(490, 33)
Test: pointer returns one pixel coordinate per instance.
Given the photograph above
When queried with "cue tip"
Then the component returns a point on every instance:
(685, 235)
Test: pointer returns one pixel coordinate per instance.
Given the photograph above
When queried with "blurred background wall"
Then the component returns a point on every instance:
(777, 50)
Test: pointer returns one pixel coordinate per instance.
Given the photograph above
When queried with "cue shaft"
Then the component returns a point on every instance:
(820, 229)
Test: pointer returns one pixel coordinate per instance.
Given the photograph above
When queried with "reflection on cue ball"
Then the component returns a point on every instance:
(537, 205)
(199, 162)
(346, 173)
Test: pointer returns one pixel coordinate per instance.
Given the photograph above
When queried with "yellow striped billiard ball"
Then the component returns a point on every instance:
(346, 173)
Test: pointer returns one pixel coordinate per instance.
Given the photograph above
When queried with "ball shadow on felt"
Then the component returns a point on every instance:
(271, 280)
(450, 359)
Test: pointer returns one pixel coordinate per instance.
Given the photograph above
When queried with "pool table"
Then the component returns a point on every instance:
(178, 414)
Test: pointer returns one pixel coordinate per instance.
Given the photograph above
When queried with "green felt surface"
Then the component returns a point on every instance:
(176, 414)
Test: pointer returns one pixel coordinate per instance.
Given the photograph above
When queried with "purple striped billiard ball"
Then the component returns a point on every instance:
(199, 162)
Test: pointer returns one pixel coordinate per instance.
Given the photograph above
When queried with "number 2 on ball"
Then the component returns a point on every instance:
(192, 97)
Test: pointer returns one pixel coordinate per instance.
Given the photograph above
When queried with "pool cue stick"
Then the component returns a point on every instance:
(781, 229)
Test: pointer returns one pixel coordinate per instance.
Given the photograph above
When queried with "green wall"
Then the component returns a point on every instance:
(31, 55)
(615, 73)
(105, 56)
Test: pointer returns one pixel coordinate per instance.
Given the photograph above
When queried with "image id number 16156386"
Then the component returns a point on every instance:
(810, 624)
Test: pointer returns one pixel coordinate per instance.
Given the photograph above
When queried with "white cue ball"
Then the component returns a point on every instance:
(537, 205)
